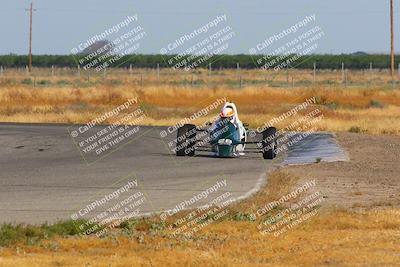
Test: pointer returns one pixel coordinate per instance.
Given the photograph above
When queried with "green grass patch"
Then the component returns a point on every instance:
(243, 217)
(63, 82)
(12, 234)
(43, 82)
(375, 104)
(27, 81)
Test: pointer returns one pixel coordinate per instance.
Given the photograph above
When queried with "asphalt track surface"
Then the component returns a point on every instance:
(46, 177)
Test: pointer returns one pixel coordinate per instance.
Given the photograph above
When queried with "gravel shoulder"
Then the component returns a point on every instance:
(371, 178)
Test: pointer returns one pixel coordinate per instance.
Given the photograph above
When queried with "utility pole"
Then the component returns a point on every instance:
(30, 36)
(391, 40)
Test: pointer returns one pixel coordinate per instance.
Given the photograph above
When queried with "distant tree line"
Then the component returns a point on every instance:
(351, 61)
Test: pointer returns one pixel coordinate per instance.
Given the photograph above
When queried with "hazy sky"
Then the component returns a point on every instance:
(59, 26)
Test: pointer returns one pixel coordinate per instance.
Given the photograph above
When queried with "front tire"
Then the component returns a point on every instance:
(186, 140)
(269, 143)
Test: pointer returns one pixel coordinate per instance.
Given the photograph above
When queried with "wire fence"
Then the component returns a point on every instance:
(234, 78)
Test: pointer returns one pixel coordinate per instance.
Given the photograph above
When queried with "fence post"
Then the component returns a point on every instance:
(158, 71)
(287, 77)
(315, 68)
(343, 73)
(1, 70)
(27, 70)
(79, 70)
(209, 74)
(52, 70)
(238, 74)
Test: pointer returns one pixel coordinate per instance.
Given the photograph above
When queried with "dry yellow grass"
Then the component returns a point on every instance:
(366, 110)
(366, 235)
(233, 244)
(333, 237)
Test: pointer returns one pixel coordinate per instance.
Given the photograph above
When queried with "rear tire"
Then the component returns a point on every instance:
(186, 140)
(269, 143)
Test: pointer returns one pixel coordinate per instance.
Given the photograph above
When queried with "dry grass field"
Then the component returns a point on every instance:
(332, 239)
(352, 226)
(357, 224)
(368, 104)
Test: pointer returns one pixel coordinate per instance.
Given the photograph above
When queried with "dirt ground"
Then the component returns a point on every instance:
(370, 179)
(362, 231)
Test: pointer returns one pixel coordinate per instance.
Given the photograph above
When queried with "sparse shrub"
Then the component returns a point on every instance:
(63, 82)
(355, 129)
(243, 217)
(157, 226)
(332, 105)
(129, 226)
(375, 104)
(65, 228)
(27, 81)
(321, 100)
(318, 160)
(11, 234)
(43, 82)
(330, 82)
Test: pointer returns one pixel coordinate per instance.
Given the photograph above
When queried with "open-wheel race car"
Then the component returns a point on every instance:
(225, 137)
